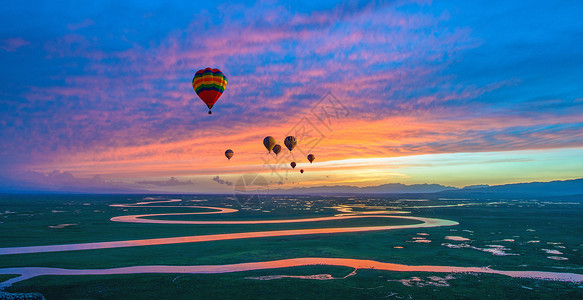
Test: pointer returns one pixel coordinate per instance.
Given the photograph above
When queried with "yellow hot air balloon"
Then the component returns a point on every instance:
(276, 149)
(311, 157)
(229, 153)
(269, 143)
(290, 142)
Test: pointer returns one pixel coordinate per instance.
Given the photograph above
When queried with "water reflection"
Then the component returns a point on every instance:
(30, 272)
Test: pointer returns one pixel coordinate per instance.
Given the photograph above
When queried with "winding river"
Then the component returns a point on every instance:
(30, 272)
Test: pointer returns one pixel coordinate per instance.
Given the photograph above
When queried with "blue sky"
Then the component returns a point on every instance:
(103, 89)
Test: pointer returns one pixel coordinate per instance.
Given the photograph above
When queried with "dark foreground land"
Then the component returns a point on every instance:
(505, 234)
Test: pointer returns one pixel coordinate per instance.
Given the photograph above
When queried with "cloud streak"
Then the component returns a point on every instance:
(221, 181)
(165, 183)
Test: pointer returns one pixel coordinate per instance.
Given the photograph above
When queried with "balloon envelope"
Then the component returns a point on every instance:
(311, 157)
(209, 84)
(276, 149)
(293, 164)
(290, 142)
(269, 143)
(302, 171)
(229, 153)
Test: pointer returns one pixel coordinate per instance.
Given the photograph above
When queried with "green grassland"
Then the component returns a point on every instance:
(556, 225)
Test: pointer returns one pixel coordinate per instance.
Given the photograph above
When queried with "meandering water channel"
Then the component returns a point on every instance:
(30, 272)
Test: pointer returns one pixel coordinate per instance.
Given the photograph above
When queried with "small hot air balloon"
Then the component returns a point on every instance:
(276, 149)
(293, 164)
(311, 157)
(302, 171)
(229, 153)
(290, 142)
(269, 143)
(209, 84)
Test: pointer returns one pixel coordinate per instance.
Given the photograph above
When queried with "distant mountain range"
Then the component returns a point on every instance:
(545, 189)
(552, 188)
(64, 182)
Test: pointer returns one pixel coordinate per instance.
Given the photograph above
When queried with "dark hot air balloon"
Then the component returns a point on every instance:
(293, 164)
(269, 143)
(209, 84)
(302, 171)
(229, 153)
(276, 149)
(311, 157)
(290, 142)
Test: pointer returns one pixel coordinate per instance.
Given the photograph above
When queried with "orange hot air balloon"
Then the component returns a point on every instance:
(229, 153)
(269, 143)
(311, 157)
(290, 142)
(293, 164)
(209, 84)
(276, 149)
(302, 171)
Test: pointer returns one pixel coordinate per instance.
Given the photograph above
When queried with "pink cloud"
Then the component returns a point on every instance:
(84, 24)
(13, 44)
(73, 45)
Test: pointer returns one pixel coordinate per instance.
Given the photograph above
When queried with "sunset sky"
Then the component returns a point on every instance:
(98, 94)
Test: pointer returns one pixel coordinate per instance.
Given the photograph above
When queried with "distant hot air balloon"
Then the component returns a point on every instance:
(302, 171)
(276, 149)
(293, 164)
(290, 142)
(209, 84)
(311, 157)
(229, 153)
(269, 143)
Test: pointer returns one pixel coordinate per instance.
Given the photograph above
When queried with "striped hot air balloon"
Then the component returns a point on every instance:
(269, 143)
(290, 142)
(276, 149)
(229, 153)
(209, 84)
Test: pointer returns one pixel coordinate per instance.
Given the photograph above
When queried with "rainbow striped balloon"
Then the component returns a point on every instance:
(209, 84)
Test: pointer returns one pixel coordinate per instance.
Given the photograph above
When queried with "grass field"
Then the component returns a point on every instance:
(525, 232)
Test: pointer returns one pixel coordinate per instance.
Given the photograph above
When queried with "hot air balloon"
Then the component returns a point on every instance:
(209, 84)
(290, 142)
(269, 143)
(302, 171)
(293, 164)
(229, 153)
(311, 157)
(276, 149)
